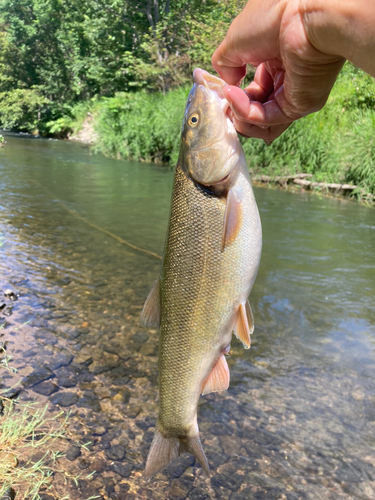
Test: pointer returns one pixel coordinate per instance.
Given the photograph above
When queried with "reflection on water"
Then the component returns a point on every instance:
(298, 421)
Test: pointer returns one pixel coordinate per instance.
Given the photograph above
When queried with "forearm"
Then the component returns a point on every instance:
(342, 27)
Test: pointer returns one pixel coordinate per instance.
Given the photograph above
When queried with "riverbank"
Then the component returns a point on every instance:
(335, 146)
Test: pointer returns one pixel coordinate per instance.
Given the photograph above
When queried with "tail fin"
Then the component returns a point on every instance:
(165, 449)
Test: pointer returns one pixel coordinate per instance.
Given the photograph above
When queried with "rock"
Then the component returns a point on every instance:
(8, 311)
(62, 359)
(180, 488)
(9, 294)
(98, 465)
(217, 459)
(99, 431)
(198, 494)
(72, 453)
(89, 400)
(122, 470)
(64, 399)
(98, 370)
(132, 411)
(38, 375)
(12, 393)
(146, 423)
(148, 437)
(66, 380)
(116, 452)
(9, 494)
(86, 377)
(218, 429)
(30, 353)
(231, 482)
(139, 337)
(45, 388)
(176, 468)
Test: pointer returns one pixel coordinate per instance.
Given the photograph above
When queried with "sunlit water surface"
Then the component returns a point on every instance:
(298, 421)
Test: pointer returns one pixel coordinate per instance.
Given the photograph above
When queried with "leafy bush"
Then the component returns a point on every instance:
(142, 126)
(20, 109)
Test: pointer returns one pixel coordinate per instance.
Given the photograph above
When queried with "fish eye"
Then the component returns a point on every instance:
(193, 120)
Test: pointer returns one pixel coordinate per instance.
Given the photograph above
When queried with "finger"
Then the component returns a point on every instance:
(262, 86)
(252, 38)
(267, 134)
(257, 113)
(232, 69)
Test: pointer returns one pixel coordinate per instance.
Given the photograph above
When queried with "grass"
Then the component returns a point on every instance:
(29, 443)
(24, 431)
(336, 144)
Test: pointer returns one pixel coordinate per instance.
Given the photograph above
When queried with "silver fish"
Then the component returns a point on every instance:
(210, 262)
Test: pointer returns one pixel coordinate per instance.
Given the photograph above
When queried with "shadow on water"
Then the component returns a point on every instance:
(298, 420)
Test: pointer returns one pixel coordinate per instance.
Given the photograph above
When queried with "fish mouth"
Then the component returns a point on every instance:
(211, 83)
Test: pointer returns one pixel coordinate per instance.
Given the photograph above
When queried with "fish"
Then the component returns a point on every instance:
(210, 262)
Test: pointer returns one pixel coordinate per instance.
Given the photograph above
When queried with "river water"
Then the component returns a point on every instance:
(298, 421)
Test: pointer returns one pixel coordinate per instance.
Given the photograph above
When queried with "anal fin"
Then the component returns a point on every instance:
(150, 315)
(232, 218)
(218, 380)
(245, 324)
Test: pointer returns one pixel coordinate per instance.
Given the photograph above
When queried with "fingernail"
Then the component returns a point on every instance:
(268, 142)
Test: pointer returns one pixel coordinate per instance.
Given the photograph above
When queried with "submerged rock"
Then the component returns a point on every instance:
(64, 399)
(9, 294)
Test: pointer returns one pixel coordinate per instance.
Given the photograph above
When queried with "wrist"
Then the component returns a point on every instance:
(344, 28)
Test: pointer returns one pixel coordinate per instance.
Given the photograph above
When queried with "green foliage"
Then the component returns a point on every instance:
(359, 151)
(335, 145)
(21, 108)
(142, 126)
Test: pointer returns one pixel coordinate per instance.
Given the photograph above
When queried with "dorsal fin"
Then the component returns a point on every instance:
(218, 379)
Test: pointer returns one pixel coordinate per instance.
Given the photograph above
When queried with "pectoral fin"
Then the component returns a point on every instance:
(232, 218)
(150, 315)
(245, 324)
(218, 380)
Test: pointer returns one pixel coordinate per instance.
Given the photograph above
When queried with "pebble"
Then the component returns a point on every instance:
(229, 481)
(9, 494)
(180, 488)
(12, 393)
(178, 467)
(72, 453)
(64, 398)
(45, 388)
(9, 294)
(116, 452)
(89, 400)
(38, 375)
(60, 360)
(199, 494)
(122, 470)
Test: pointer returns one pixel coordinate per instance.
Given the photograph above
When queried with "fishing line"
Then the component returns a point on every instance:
(98, 228)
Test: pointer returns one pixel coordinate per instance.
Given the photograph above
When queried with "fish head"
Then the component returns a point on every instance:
(210, 144)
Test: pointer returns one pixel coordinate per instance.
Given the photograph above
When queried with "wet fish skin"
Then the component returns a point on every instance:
(210, 262)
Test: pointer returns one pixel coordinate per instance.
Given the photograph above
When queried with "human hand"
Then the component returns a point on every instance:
(293, 78)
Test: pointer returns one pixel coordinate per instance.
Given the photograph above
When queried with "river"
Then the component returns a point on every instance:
(298, 421)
